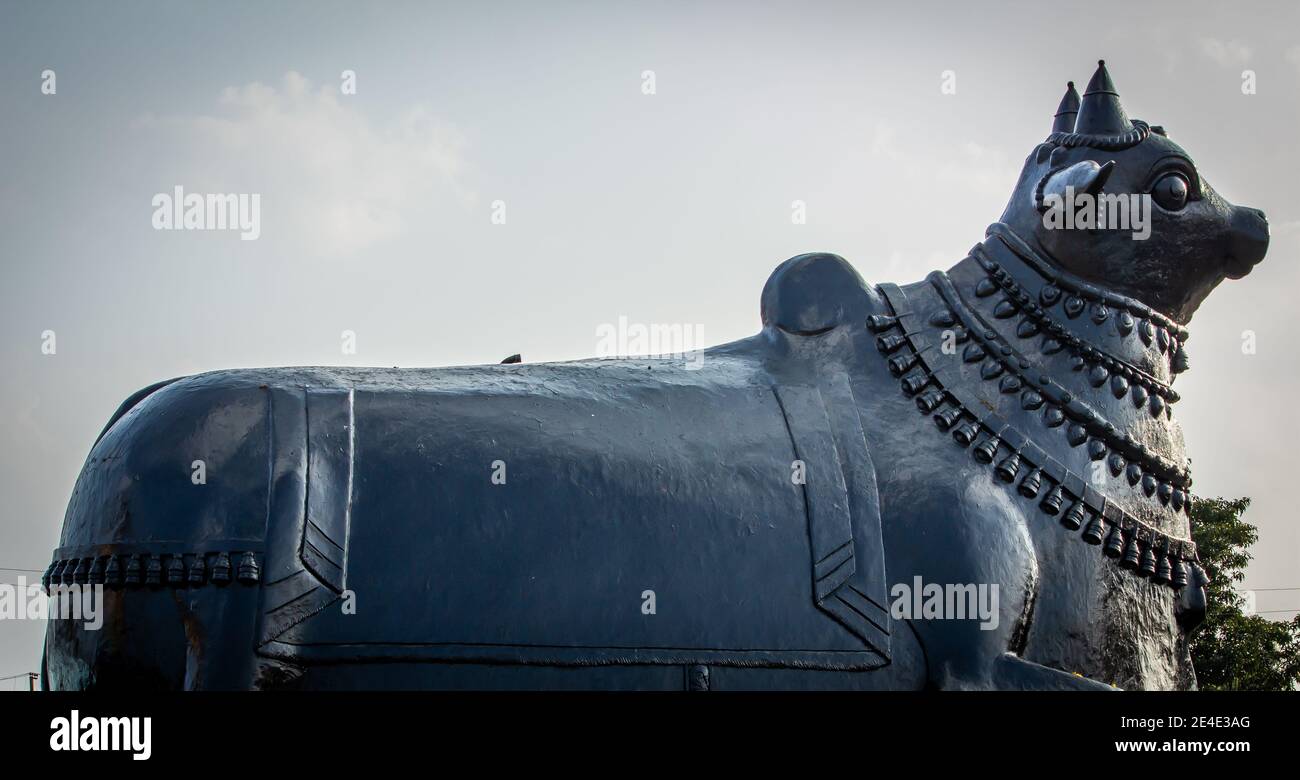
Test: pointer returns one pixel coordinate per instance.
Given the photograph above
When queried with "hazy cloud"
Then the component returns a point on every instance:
(1292, 56)
(331, 179)
(1226, 53)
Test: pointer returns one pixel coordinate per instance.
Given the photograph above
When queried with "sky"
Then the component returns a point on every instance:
(663, 205)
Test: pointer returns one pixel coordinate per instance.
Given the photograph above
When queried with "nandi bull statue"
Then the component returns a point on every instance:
(973, 481)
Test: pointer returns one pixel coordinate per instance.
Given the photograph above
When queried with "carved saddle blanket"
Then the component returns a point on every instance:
(576, 514)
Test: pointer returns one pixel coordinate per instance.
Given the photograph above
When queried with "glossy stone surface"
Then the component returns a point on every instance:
(740, 518)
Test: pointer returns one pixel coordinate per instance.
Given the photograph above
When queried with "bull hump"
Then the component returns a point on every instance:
(813, 293)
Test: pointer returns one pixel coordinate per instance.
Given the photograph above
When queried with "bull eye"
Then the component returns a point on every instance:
(1170, 192)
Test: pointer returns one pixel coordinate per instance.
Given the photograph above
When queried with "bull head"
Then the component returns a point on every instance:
(1194, 238)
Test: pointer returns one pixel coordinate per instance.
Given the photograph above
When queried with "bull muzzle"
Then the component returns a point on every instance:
(1248, 240)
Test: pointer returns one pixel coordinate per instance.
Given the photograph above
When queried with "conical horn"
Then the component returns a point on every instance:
(1100, 112)
(1063, 122)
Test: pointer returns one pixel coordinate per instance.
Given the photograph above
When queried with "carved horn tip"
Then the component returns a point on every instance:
(1100, 112)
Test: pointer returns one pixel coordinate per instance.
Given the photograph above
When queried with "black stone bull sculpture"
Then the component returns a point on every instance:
(973, 481)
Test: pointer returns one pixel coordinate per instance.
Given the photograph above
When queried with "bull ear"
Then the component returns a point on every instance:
(1086, 176)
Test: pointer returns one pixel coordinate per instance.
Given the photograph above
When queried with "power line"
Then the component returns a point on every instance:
(42, 571)
(16, 676)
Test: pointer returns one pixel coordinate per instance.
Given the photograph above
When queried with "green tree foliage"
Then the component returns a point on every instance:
(1232, 650)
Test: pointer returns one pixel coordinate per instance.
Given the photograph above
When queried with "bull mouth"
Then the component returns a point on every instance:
(1237, 268)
